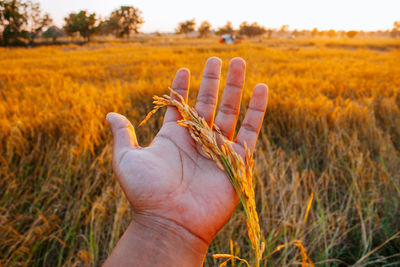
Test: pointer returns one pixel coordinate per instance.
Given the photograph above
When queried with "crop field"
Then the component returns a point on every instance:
(327, 164)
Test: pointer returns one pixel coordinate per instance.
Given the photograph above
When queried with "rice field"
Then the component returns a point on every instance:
(327, 164)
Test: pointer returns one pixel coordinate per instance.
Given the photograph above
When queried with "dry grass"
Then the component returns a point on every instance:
(332, 130)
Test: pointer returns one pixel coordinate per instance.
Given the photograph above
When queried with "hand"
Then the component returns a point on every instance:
(170, 184)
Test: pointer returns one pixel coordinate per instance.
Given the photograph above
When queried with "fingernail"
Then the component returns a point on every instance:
(110, 117)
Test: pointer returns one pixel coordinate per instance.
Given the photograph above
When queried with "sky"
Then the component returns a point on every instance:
(163, 16)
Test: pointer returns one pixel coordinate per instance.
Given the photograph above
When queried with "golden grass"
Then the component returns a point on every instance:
(332, 130)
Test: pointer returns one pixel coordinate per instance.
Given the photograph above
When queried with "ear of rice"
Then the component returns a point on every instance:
(238, 170)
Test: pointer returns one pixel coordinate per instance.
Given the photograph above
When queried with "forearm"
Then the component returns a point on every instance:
(150, 241)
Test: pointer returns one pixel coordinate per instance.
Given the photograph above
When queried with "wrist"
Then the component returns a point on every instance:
(155, 241)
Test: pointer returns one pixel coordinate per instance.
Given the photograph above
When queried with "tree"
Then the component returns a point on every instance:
(227, 29)
(284, 29)
(314, 32)
(123, 21)
(351, 34)
(53, 32)
(36, 21)
(83, 22)
(269, 33)
(186, 27)
(2, 4)
(12, 21)
(296, 33)
(251, 30)
(21, 21)
(396, 29)
(332, 33)
(204, 29)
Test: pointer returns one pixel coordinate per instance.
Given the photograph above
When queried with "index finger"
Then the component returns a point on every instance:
(181, 86)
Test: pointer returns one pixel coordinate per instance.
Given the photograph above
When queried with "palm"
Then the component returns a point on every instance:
(171, 178)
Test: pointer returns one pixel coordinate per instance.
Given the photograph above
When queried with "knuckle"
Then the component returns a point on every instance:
(181, 91)
(257, 109)
(207, 99)
(235, 86)
(249, 127)
(211, 76)
(229, 109)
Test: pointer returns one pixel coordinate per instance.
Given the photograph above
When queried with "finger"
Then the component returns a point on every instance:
(230, 105)
(208, 93)
(251, 126)
(181, 86)
(123, 132)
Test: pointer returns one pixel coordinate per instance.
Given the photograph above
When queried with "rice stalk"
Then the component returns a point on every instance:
(238, 170)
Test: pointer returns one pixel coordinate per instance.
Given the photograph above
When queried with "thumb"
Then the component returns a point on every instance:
(123, 132)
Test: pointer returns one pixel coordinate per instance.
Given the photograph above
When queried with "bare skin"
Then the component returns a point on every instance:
(180, 198)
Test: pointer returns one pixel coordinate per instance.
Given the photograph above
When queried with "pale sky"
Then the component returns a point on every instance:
(163, 15)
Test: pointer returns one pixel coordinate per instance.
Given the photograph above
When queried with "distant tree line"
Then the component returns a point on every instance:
(21, 22)
(205, 30)
(251, 30)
